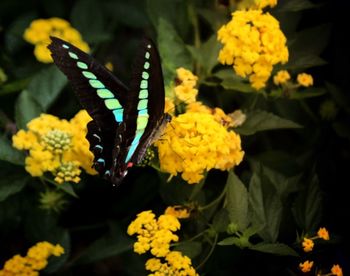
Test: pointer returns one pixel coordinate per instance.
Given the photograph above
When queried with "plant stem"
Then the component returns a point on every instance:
(215, 201)
(210, 252)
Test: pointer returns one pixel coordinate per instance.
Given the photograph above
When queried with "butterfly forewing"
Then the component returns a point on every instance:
(125, 121)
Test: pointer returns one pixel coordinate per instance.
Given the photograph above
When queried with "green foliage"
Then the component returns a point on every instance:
(292, 172)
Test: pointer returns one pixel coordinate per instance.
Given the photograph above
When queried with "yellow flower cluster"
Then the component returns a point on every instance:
(253, 43)
(195, 142)
(186, 81)
(40, 30)
(155, 235)
(57, 146)
(257, 4)
(35, 260)
(176, 264)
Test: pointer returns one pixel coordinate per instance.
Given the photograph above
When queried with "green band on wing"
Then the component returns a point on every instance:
(145, 75)
(72, 55)
(146, 65)
(96, 84)
(131, 151)
(65, 46)
(118, 115)
(89, 75)
(142, 104)
(112, 104)
(143, 94)
(105, 93)
(144, 84)
(143, 112)
(82, 65)
(147, 55)
(142, 121)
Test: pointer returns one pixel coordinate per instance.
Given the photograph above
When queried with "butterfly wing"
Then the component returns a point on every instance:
(145, 113)
(102, 94)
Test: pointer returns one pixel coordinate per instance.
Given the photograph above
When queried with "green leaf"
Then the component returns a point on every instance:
(301, 61)
(26, 108)
(46, 86)
(12, 87)
(10, 154)
(112, 244)
(172, 49)
(190, 249)
(88, 18)
(175, 12)
(68, 188)
(215, 18)
(295, 5)
(237, 85)
(11, 182)
(237, 201)
(311, 41)
(275, 248)
(307, 209)
(207, 54)
(221, 220)
(230, 241)
(135, 10)
(265, 207)
(307, 93)
(259, 120)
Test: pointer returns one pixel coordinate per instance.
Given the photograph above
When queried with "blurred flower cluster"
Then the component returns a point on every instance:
(40, 30)
(56, 146)
(35, 260)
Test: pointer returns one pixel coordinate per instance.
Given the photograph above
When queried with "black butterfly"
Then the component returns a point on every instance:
(125, 121)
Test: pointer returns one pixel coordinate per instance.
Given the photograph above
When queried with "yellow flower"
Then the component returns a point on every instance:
(169, 106)
(281, 77)
(305, 79)
(336, 270)
(178, 211)
(175, 264)
(308, 245)
(57, 146)
(184, 89)
(256, 4)
(253, 43)
(35, 260)
(194, 143)
(154, 234)
(306, 266)
(323, 233)
(40, 30)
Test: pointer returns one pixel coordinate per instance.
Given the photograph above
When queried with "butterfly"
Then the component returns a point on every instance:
(125, 120)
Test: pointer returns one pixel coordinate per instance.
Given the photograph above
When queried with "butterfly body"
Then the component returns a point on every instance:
(125, 120)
